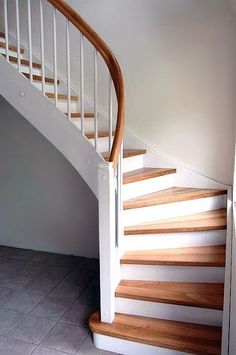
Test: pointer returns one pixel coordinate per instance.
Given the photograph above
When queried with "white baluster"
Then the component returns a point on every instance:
(110, 114)
(6, 29)
(30, 40)
(68, 66)
(119, 204)
(42, 46)
(82, 81)
(55, 54)
(18, 35)
(96, 97)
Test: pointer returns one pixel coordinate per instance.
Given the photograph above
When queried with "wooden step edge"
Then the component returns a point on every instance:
(11, 48)
(174, 335)
(171, 195)
(145, 173)
(101, 134)
(78, 115)
(39, 78)
(200, 295)
(23, 61)
(213, 256)
(128, 153)
(51, 95)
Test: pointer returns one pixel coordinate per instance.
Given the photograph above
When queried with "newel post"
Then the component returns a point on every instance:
(107, 240)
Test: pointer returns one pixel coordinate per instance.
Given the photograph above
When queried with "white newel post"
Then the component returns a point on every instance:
(107, 238)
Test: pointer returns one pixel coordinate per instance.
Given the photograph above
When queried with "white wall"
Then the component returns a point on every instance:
(44, 203)
(178, 59)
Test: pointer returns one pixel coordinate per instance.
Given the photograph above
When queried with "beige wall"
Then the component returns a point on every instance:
(178, 57)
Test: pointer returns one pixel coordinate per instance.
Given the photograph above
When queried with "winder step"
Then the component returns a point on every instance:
(40, 78)
(192, 294)
(205, 221)
(51, 95)
(180, 336)
(145, 173)
(211, 256)
(174, 194)
(11, 48)
(22, 61)
(127, 153)
(101, 134)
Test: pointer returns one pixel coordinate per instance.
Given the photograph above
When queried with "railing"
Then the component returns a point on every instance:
(110, 173)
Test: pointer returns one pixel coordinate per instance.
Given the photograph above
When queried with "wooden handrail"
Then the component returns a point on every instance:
(112, 64)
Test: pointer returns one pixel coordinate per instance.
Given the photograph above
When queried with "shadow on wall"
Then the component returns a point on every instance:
(44, 203)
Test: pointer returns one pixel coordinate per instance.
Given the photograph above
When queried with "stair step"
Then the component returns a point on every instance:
(212, 256)
(11, 48)
(39, 78)
(205, 221)
(101, 134)
(174, 194)
(203, 295)
(127, 153)
(51, 95)
(180, 336)
(78, 115)
(23, 61)
(145, 173)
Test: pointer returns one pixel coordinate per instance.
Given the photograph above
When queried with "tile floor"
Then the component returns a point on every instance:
(45, 302)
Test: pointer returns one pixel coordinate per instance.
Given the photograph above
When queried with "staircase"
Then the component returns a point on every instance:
(162, 246)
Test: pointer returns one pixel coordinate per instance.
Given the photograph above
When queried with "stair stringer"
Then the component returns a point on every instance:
(50, 122)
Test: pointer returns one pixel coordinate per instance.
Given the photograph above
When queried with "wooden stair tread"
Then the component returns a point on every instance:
(127, 153)
(23, 61)
(212, 256)
(11, 48)
(181, 336)
(205, 221)
(174, 194)
(39, 78)
(101, 134)
(78, 114)
(51, 95)
(203, 295)
(145, 173)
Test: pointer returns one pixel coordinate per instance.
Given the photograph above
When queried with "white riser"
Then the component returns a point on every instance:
(11, 53)
(103, 144)
(172, 273)
(48, 87)
(132, 163)
(88, 124)
(62, 106)
(147, 186)
(125, 347)
(169, 311)
(174, 240)
(170, 210)
(25, 69)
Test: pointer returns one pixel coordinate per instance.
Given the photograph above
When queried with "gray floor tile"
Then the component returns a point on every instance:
(90, 296)
(15, 253)
(5, 294)
(46, 351)
(79, 314)
(90, 264)
(13, 280)
(9, 346)
(23, 301)
(88, 348)
(68, 290)
(82, 277)
(8, 320)
(11, 264)
(51, 308)
(65, 337)
(32, 329)
(32, 268)
(55, 273)
(41, 286)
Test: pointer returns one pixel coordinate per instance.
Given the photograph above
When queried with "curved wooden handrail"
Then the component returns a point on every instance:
(112, 64)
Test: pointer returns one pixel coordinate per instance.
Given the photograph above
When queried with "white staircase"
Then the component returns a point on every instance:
(163, 248)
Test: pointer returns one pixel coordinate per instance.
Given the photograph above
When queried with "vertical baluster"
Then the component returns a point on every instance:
(82, 81)
(119, 205)
(68, 66)
(110, 114)
(55, 54)
(96, 97)
(30, 40)
(42, 46)
(18, 35)
(6, 29)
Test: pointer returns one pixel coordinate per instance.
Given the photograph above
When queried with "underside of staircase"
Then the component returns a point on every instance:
(170, 294)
